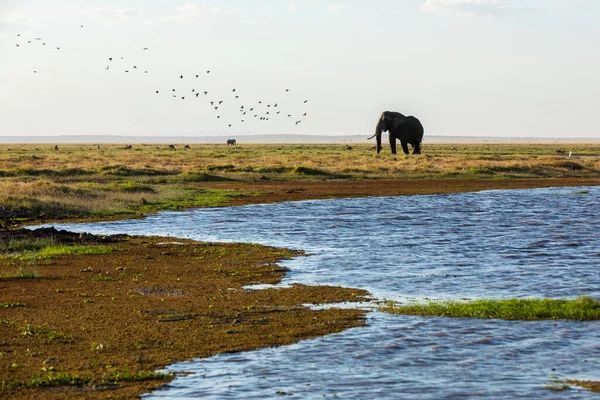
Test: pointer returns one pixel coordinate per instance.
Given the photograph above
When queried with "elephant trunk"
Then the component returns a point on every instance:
(378, 129)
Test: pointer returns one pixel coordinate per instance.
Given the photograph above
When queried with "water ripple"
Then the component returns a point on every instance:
(493, 244)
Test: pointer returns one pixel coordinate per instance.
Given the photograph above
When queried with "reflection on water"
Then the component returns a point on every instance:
(494, 244)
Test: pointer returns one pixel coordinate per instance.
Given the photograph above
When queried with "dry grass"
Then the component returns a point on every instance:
(76, 181)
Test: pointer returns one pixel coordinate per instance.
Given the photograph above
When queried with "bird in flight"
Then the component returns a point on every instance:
(197, 94)
(208, 72)
(180, 76)
(287, 90)
(197, 76)
(305, 101)
(145, 48)
(109, 58)
(205, 93)
(157, 92)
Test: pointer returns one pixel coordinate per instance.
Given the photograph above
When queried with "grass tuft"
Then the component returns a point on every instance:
(23, 274)
(584, 309)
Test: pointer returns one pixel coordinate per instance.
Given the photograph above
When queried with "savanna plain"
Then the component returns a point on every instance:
(91, 316)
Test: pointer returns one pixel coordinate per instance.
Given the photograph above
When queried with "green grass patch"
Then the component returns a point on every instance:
(11, 305)
(128, 187)
(27, 244)
(60, 250)
(202, 177)
(53, 250)
(192, 197)
(583, 308)
(23, 274)
(308, 171)
(54, 379)
(45, 333)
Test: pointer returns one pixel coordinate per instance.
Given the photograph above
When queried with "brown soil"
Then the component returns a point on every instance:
(151, 303)
(277, 191)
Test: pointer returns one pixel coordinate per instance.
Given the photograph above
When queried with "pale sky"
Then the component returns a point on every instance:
(510, 68)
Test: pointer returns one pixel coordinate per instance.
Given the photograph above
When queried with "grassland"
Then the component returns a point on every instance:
(38, 182)
(75, 306)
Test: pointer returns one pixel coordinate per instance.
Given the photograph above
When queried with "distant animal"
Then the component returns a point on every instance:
(373, 148)
(348, 147)
(560, 151)
(187, 146)
(406, 129)
(454, 149)
(231, 142)
(128, 147)
(55, 147)
(171, 147)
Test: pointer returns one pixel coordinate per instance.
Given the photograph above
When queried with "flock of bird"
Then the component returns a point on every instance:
(258, 109)
(246, 109)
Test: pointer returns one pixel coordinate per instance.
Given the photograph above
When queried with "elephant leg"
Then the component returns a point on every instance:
(393, 144)
(404, 146)
(417, 149)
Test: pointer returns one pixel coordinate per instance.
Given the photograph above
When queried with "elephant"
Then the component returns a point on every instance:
(231, 142)
(406, 129)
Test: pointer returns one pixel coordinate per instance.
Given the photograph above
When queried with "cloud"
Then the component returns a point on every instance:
(17, 19)
(115, 13)
(192, 11)
(466, 8)
(336, 6)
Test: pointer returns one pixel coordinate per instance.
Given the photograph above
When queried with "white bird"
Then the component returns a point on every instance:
(569, 154)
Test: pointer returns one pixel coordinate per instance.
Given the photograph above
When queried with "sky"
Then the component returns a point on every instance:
(500, 68)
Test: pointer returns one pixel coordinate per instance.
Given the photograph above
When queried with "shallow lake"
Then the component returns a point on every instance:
(492, 244)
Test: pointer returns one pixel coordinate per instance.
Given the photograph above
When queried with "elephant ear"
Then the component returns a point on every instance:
(395, 120)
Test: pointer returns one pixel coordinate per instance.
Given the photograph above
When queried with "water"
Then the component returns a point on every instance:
(493, 244)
